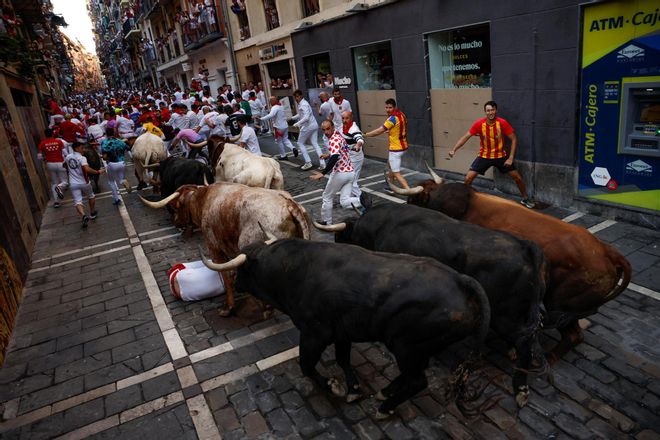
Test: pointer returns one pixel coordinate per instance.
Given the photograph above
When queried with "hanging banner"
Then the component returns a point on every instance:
(619, 155)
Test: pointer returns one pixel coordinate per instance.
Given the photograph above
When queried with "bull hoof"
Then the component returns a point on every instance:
(513, 354)
(380, 396)
(523, 396)
(336, 387)
(224, 312)
(268, 313)
(383, 415)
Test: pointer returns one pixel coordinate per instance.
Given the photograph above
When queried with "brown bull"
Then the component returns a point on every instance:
(231, 216)
(584, 271)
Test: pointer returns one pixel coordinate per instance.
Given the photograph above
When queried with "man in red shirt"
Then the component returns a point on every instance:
(51, 150)
(69, 129)
(491, 131)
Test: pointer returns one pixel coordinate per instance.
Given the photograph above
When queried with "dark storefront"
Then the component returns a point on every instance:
(447, 60)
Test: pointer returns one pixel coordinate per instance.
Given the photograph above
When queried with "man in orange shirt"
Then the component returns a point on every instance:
(491, 131)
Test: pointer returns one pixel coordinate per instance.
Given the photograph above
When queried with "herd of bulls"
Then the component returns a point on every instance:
(416, 278)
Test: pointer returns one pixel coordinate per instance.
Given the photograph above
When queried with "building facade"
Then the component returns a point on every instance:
(86, 69)
(551, 69)
(157, 43)
(33, 67)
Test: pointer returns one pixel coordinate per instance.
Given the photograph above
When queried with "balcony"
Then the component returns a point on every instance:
(130, 29)
(202, 30)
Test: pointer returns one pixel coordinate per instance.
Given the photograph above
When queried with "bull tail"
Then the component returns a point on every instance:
(302, 225)
(624, 269)
(482, 299)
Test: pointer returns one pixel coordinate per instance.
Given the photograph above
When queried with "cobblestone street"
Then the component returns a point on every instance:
(102, 349)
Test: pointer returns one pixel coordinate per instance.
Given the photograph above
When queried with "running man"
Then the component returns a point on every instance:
(355, 140)
(491, 131)
(79, 182)
(341, 171)
(113, 151)
(51, 151)
(308, 126)
(280, 127)
(396, 126)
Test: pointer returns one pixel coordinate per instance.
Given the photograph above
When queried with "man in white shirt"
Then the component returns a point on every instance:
(194, 116)
(247, 138)
(178, 119)
(125, 125)
(325, 110)
(280, 127)
(79, 182)
(203, 126)
(308, 126)
(338, 105)
(178, 96)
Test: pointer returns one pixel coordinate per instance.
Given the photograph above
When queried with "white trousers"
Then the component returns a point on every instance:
(282, 139)
(357, 157)
(58, 177)
(115, 172)
(309, 136)
(342, 182)
(77, 191)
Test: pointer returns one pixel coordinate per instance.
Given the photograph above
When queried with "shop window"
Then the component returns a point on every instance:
(238, 8)
(373, 66)
(279, 73)
(640, 122)
(460, 58)
(317, 71)
(272, 19)
(310, 7)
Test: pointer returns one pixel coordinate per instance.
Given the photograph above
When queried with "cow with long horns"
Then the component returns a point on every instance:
(147, 151)
(416, 306)
(512, 271)
(584, 271)
(238, 165)
(231, 216)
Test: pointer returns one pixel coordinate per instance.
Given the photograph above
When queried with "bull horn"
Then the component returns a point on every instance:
(405, 191)
(232, 264)
(206, 182)
(329, 228)
(271, 238)
(434, 176)
(357, 211)
(146, 159)
(160, 203)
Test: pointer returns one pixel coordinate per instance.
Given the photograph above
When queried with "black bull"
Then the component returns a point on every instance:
(343, 294)
(178, 171)
(511, 270)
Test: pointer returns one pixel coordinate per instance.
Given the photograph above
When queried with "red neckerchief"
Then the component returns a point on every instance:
(253, 98)
(346, 127)
(341, 99)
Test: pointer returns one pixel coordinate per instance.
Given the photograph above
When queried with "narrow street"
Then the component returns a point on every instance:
(102, 349)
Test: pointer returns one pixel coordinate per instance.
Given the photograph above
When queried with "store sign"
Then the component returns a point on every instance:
(620, 84)
(186, 67)
(460, 58)
(343, 82)
(273, 51)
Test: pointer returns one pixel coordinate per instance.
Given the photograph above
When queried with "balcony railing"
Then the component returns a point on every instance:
(200, 27)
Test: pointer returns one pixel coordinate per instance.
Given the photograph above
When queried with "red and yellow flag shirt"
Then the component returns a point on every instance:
(491, 137)
(397, 128)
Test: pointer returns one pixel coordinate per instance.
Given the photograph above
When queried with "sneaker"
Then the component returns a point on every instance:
(56, 205)
(85, 221)
(528, 203)
(282, 158)
(321, 167)
(59, 192)
(295, 152)
(117, 202)
(306, 166)
(127, 185)
(93, 215)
